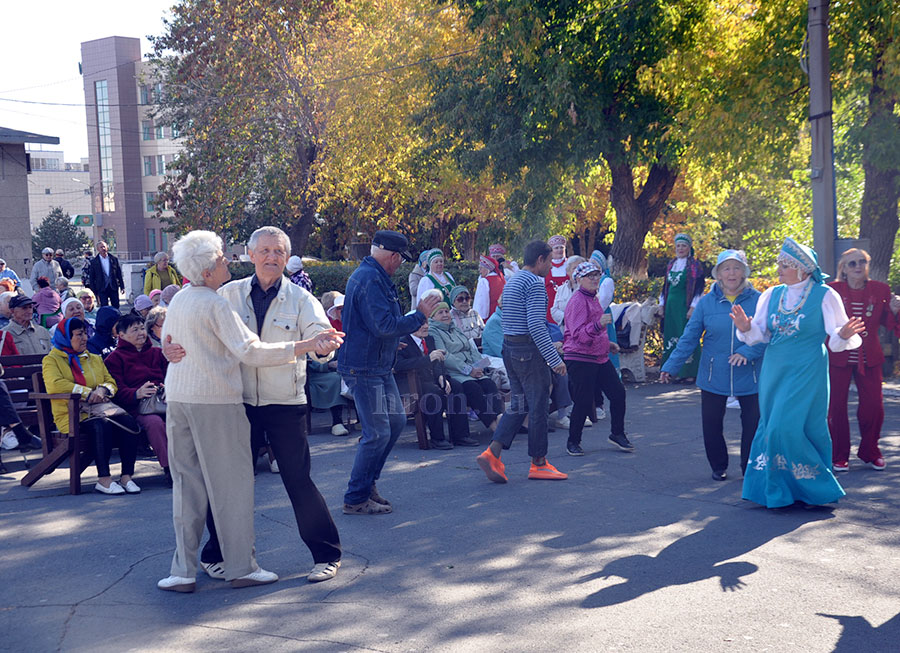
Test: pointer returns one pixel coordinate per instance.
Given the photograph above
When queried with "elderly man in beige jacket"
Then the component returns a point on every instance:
(207, 426)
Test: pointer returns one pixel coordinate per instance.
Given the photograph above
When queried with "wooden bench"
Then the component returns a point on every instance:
(412, 408)
(17, 375)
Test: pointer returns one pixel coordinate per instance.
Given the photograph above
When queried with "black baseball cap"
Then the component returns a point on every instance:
(393, 241)
(20, 300)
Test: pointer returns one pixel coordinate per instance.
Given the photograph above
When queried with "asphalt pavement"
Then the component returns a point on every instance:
(635, 552)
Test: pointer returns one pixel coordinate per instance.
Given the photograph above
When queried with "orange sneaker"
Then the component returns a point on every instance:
(495, 470)
(546, 472)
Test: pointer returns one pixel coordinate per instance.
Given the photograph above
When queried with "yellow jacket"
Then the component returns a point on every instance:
(153, 282)
(58, 378)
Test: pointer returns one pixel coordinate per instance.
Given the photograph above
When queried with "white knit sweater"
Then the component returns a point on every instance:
(216, 342)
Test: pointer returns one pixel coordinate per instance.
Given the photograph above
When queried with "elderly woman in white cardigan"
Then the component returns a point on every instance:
(207, 428)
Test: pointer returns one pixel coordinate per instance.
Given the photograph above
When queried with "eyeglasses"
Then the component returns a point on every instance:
(462, 298)
(861, 263)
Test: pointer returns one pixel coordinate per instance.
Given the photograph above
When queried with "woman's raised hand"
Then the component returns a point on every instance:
(854, 325)
(740, 319)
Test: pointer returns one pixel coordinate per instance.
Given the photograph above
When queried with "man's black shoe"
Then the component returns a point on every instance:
(441, 444)
(466, 442)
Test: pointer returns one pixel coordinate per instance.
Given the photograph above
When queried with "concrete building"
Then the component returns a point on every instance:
(128, 150)
(55, 183)
(15, 226)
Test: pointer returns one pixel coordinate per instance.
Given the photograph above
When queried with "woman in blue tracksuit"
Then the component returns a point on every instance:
(728, 367)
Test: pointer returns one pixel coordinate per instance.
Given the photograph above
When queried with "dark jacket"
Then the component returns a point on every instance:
(66, 267)
(711, 319)
(102, 342)
(96, 278)
(132, 368)
(373, 322)
(412, 358)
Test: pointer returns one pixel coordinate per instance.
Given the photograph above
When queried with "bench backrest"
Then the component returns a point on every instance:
(18, 374)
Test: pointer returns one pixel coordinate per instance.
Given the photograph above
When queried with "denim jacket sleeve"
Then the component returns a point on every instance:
(383, 316)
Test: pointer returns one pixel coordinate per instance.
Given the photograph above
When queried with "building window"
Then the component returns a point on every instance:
(145, 94)
(159, 133)
(46, 191)
(147, 130)
(175, 132)
(148, 166)
(164, 241)
(104, 134)
(87, 191)
(151, 240)
(150, 201)
(160, 164)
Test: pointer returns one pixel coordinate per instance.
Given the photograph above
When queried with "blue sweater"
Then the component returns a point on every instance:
(711, 319)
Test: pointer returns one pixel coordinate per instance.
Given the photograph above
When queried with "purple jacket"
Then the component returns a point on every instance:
(132, 368)
(584, 338)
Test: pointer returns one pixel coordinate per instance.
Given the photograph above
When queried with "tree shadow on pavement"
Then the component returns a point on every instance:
(699, 556)
(859, 635)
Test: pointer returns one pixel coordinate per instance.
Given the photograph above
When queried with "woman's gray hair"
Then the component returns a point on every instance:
(275, 232)
(195, 253)
(160, 256)
(156, 314)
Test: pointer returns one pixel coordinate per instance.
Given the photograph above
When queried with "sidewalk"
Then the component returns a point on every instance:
(635, 552)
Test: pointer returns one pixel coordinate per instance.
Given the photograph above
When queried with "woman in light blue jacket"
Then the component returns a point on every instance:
(728, 367)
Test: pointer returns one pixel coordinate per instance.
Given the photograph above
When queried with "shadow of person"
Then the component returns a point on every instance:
(698, 556)
(859, 635)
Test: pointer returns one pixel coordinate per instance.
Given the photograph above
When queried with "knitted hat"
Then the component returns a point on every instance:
(438, 307)
(457, 291)
(141, 302)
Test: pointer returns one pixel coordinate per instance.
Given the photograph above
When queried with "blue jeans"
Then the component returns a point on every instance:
(382, 418)
(529, 384)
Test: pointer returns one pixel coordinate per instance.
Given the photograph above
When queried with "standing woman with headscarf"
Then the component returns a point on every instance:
(415, 276)
(682, 288)
(491, 281)
(558, 275)
(790, 458)
(605, 296)
(872, 302)
(435, 276)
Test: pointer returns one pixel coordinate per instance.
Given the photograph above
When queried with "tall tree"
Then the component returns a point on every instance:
(58, 232)
(554, 87)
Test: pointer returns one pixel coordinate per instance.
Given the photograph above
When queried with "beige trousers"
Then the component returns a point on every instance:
(209, 458)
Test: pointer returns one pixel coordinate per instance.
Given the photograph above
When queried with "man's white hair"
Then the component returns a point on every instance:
(195, 253)
(270, 231)
(4, 299)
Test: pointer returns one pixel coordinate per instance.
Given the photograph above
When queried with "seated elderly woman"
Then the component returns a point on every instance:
(46, 303)
(139, 370)
(155, 295)
(165, 297)
(87, 299)
(74, 308)
(142, 306)
(464, 366)
(62, 288)
(325, 392)
(70, 369)
(207, 427)
(104, 340)
(464, 316)
(154, 323)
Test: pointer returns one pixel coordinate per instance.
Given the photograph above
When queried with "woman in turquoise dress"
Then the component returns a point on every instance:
(790, 458)
(682, 288)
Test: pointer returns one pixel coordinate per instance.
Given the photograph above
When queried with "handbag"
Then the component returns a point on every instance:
(113, 413)
(155, 404)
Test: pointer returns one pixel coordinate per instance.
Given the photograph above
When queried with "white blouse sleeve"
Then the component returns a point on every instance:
(605, 293)
(835, 318)
(759, 331)
(558, 310)
(424, 286)
(482, 303)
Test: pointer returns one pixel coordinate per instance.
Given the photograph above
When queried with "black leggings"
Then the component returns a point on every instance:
(106, 436)
(482, 397)
(585, 379)
(712, 408)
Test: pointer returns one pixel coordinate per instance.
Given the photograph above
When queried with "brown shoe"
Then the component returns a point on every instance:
(367, 507)
(377, 498)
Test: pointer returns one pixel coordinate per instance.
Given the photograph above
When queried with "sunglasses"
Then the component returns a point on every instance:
(861, 263)
(462, 298)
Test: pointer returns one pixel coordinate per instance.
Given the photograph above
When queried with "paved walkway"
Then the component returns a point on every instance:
(639, 552)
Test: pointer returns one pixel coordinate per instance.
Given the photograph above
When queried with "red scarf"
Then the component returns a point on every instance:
(62, 340)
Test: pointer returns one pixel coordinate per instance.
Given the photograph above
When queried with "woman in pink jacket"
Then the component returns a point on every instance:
(586, 349)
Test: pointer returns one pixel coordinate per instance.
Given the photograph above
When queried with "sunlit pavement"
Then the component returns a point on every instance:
(635, 552)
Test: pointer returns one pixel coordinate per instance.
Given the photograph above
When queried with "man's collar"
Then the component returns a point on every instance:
(254, 281)
(22, 329)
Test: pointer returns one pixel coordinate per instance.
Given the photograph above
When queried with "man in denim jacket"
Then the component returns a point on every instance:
(374, 323)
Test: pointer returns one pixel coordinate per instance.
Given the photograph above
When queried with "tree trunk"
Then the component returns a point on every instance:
(878, 214)
(635, 215)
(300, 229)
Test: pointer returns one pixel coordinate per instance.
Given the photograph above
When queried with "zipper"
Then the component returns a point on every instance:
(710, 368)
(731, 367)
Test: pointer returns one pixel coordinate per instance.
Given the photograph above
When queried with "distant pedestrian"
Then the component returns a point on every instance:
(106, 277)
(682, 289)
(47, 266)
(9, 273)
(374, 324)
(529, 355)
(67, 269)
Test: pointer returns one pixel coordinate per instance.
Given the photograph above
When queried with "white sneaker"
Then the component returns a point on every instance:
(9, 441)
(213, 570)
(560, 423)
(273, 466)
(177, 584)
(258, 577)
(114, 488)
(339, 429)
(323, 571)
(588, 423)
(732, 403)
(601, 414)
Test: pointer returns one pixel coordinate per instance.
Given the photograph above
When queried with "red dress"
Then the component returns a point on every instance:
(871, 304)
(554, 279)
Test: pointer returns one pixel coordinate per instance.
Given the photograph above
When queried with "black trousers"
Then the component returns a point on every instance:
(285, 429)
(434, 402)
(712, 407)
(8, 415)
(108, 296)
(482, 397)
(585, 379)
(106, 436)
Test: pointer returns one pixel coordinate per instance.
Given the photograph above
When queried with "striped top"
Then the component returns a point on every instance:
(525, 313)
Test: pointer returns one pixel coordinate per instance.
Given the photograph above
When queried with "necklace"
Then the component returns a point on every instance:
(781, 307)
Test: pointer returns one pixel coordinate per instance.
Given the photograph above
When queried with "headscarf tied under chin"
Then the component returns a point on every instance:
(62, 340)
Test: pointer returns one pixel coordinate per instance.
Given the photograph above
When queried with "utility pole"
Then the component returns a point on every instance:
(822, 160)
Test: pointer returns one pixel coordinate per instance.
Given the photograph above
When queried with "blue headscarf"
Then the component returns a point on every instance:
(62, 340)
(600, 261)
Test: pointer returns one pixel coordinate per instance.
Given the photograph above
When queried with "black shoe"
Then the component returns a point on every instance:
(441, 444)
(168, 477)
(466, 442)
(719, 476)
(621, 441)
(31, 443)
(574, 449)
